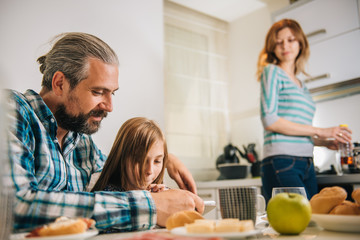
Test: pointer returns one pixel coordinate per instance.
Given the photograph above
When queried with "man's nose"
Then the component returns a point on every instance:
(106, 104)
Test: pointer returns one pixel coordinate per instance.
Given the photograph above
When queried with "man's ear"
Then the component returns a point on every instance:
(58, 82)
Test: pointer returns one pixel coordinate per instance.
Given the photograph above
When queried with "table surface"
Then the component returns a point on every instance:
(313, 232)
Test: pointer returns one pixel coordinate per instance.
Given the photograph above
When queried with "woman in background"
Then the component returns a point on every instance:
(287, 112)
(137, 158)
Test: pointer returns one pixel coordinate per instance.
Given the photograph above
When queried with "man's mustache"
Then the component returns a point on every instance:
(98, 113)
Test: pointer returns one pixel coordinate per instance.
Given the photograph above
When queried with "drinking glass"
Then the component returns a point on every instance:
(299, 190)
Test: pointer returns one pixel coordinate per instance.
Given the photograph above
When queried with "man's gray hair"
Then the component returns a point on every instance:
(70, 55)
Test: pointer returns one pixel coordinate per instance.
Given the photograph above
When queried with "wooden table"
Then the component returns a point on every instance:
(313, 232)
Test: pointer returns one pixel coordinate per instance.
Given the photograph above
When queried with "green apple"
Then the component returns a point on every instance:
(289, 213)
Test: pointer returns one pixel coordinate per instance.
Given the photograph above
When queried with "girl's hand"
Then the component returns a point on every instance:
(157, 188)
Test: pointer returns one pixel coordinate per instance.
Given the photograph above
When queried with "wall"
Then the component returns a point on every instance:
(246, 39)
(134, 29)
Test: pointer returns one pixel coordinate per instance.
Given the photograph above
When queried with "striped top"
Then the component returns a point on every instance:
(282, 98)
(51, 182)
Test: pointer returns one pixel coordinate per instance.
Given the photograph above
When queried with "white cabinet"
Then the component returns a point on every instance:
(323, 19)
(333, 29)
(337, 58)
(208, 191)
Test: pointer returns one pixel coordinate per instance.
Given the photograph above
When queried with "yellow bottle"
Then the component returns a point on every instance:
(346, 155)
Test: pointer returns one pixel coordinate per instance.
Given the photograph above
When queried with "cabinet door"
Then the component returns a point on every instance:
(337, 57)
(209, 195)
(323, 19)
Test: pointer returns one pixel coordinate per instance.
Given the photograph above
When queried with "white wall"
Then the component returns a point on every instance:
(133, 28)
(246, 39)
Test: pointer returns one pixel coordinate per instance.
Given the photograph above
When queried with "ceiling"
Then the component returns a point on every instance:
(227, 10)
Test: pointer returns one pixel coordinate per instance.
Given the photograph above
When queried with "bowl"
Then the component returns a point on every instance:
(233, 170)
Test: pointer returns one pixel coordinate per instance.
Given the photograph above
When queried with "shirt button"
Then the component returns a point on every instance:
(55, 141)
(52, 120)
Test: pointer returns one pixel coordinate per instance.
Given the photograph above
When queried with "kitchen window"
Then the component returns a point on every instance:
(196, 87)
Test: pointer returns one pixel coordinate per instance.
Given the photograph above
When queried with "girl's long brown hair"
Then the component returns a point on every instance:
(133, 141)
(267, 54)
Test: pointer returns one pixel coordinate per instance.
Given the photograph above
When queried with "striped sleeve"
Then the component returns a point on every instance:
(269, 95)
(125, 211)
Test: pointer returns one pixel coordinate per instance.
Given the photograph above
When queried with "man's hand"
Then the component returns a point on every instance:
(182, 176)
(175, 200)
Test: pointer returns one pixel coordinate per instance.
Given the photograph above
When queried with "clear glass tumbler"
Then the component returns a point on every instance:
(299, 190)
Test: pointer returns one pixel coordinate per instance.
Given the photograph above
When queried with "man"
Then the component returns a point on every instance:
(53, 155)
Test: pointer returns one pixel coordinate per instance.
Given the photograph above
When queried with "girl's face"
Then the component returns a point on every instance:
(153, 166)
(287, 46)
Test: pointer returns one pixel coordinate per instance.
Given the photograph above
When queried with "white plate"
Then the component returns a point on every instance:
(209, 205)
(79, 236)
(182, 232)
(341, 223)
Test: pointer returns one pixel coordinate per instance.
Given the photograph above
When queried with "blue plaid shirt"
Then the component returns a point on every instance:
(51, 182)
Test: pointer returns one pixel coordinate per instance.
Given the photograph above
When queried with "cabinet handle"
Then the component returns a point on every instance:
(320, 31)
(205, 195)
(312, 79)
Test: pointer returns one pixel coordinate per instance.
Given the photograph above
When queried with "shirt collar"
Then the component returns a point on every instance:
(46, 116)
(37, 103)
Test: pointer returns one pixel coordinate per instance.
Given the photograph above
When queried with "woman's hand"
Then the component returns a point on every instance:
(320, 135)
(329, 143)
(337, 134)
(182, 176)
(331, 137)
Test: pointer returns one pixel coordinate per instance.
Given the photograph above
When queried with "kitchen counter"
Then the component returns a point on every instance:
(208, 190)
(321, 178)
(230, 183)
(337, 179)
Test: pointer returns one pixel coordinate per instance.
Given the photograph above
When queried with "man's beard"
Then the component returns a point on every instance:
(78, 123)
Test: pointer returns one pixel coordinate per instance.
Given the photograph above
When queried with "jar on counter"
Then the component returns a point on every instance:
(355, 168)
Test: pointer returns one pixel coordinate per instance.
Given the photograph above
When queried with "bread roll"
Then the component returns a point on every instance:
(327, 199)
(227, 226)
(207, 221)
(234, 225)
(356, 195)
(179, 219)
(246, 225)
(204, 226)
(346, 208)
(223, 225)
(63, 226)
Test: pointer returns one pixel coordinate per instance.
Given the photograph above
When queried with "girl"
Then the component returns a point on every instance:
(137, 158)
